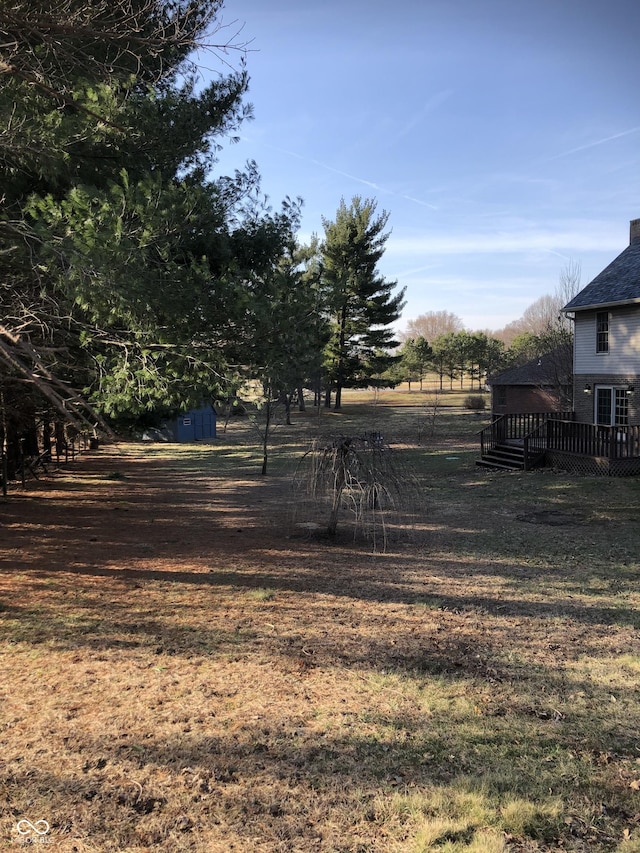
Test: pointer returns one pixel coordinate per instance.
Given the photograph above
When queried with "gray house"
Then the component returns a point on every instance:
(602, 433)
(606, 359)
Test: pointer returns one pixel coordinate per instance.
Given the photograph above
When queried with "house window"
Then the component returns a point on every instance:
(612, 406)
(604, 397)
(500, 395)
(602, 331)
(621, 413)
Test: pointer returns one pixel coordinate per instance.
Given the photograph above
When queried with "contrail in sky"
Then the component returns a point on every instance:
(594, 144)
(351, 177)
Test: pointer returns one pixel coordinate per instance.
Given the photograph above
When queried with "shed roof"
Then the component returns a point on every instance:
(548, 369)
(617, 284)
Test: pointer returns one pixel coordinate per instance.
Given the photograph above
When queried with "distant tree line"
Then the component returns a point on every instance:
(453, 357)
(436, 342)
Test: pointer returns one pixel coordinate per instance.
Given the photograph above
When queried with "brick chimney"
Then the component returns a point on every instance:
(634, 231)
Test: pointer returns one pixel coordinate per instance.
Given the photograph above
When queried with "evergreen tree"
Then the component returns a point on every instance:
(489, 356)
(122, 266)
(361, 302)
(284, 329)
(415, 356)
(446, 358)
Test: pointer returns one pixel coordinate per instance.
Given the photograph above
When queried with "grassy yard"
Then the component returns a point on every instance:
(187, 664)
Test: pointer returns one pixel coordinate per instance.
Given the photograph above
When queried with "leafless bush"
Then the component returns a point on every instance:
(428, 417)
(358, 478)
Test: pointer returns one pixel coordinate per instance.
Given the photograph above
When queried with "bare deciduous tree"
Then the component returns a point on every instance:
(432, 325)
(544, 316)
(428, 416)
(568, 286)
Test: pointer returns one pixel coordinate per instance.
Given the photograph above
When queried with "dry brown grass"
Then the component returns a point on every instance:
(182, 670)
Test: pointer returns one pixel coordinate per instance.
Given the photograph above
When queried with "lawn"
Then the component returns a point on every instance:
(187, 663)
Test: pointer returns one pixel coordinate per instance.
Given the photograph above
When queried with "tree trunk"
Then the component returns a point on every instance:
(3, 427)
(338, 488)
(29, 439)
(265, 440)
(61, 442)
(46, 439)
(338, 400)
(341, 356)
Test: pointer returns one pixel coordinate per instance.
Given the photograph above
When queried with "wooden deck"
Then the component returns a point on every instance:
(555, 438)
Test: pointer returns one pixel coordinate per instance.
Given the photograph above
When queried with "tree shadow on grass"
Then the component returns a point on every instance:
(279, 782)
(402, 583)
(304, 632)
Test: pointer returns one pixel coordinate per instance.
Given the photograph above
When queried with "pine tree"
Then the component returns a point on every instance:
(119, 251)
(361, 301)
(414, 357)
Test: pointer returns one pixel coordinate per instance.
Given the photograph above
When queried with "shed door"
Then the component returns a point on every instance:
(203, 425)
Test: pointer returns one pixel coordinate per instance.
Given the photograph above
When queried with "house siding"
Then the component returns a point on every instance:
(624, 345)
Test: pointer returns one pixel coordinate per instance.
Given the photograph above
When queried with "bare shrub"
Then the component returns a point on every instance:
(428, 417)
(359, 478)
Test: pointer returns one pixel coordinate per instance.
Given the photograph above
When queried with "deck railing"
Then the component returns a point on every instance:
(542, 431)
(535, 444)
(608, 442)
(487, 437)
(516, 428)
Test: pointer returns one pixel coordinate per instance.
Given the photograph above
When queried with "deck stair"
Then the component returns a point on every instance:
(503, 457)
(517, 442)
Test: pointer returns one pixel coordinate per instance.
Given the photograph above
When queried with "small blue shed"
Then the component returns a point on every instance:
(194, 425)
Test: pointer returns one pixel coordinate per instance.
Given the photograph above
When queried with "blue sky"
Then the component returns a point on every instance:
(502, 136)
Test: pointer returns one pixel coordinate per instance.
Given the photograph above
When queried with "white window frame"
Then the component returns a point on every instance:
(618, 413)
(605, 332)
